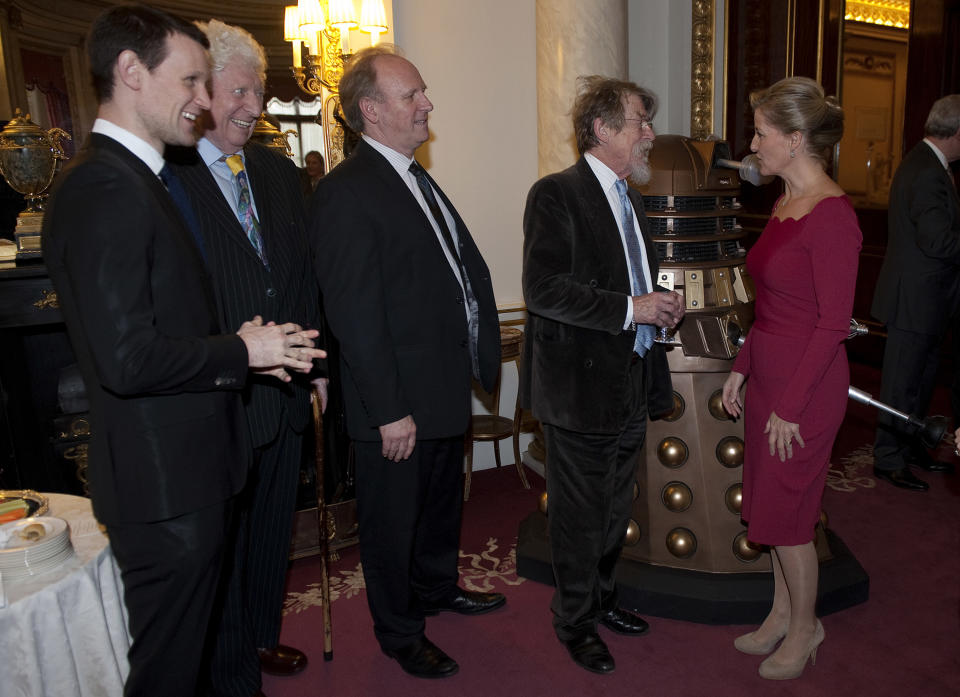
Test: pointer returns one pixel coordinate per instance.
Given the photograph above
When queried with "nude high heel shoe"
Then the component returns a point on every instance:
(772, 669)
(748, 643)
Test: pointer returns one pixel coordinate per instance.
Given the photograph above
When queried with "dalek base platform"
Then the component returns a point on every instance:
(696, 596)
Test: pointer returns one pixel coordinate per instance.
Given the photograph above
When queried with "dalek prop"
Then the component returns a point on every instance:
(687, 494)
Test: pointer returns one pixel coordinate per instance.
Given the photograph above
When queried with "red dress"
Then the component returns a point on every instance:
(805, 272)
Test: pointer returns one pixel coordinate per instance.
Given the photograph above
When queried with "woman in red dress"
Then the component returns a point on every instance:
(794, 361)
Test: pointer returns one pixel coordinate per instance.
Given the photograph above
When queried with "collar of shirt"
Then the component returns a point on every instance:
(135, 144)
(398, 161)
(210, 154)
(938, 153)
(215, 160)
(606, 176)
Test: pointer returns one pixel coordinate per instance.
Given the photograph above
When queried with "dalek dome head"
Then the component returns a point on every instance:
(682, 166)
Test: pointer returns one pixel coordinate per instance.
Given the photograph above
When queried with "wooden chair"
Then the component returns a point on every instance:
(493, 427)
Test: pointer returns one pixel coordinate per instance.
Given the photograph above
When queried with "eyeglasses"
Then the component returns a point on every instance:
(643, 123)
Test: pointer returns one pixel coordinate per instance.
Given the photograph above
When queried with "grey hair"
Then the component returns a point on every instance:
(943, 120)
(230, 43)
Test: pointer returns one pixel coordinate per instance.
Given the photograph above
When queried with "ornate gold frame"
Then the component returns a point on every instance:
(702, 69)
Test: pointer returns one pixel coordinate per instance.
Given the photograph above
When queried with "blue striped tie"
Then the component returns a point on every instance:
(645, 332)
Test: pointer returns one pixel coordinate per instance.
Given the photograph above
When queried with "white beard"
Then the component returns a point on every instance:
(640, 167)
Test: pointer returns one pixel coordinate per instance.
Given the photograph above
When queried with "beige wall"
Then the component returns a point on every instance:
(478, 61)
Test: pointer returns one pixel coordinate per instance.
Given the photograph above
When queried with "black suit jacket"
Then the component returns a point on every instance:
(575, 284)
(168, 435)
(393, 302)
(286, 292)
(918, 288)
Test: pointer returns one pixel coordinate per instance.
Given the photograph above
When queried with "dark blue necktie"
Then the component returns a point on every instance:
(645, 332)
(182, 201)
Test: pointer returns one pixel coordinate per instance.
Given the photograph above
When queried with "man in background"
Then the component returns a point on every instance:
(311, 174)
(918, 293)
(409, 298)
(251, 218)
(169, 449)
(592, 372)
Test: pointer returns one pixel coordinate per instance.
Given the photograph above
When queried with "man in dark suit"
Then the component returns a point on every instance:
(169, 449)
(591, 370)
(409, 297)
(253, 229)
(918, 291)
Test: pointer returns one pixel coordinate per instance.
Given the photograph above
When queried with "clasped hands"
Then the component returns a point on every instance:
(658, 308)
(273, 348)
(780, 434)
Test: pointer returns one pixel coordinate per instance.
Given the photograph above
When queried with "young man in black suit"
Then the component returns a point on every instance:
(918, 292)
(591, 372)
(263, 199)
(169, 449)
(409, 297)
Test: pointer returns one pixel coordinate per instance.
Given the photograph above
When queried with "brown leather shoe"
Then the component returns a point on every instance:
(282, 660)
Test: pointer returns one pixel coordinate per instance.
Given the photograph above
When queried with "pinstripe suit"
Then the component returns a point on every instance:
(277, 413)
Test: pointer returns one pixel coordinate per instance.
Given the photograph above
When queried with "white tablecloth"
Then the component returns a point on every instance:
(64, 633)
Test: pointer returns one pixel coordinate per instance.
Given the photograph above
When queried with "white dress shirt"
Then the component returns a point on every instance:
(608, 182)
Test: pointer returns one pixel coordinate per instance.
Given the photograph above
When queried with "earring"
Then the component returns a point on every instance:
(793, 154)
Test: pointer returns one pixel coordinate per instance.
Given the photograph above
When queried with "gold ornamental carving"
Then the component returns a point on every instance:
(48, 300)
(701, 70)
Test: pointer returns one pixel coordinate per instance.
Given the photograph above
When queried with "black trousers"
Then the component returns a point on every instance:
(590, 480)
(171, 571)
(910, 362)
(409, 515)
(256, 568)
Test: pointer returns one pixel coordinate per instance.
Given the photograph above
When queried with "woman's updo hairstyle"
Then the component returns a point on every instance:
(799, 104)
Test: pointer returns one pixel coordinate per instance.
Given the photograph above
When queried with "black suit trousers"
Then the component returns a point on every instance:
(909, 374)
(171, 571)
(256, 567)
(409, 514)
(590, 481)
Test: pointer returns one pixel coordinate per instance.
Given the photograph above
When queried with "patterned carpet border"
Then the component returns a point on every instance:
(478, 572)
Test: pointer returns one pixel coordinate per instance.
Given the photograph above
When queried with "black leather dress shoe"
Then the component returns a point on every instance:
(282, 660)
(931, 465)
(902, 478)
(465, 602)
(588, 651)
(623, 622)
(423, 659)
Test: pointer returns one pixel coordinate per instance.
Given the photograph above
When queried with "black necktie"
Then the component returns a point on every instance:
(473, 324)
(182, 201)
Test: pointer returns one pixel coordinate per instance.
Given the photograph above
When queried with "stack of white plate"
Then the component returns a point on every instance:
(32, 546)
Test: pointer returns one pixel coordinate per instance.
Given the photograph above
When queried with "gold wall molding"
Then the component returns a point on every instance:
(702, 69)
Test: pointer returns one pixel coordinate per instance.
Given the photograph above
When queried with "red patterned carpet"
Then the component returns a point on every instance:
(905, 640)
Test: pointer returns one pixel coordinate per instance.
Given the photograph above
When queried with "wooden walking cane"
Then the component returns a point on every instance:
(322, 527)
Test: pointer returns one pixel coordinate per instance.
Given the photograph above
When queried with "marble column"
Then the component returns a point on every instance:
(573, 38)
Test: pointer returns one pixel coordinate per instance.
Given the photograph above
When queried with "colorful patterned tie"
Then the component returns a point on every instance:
(645, 332)
(245, 207)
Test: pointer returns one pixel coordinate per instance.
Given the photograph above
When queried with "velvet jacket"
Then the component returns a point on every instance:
(575, 284)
